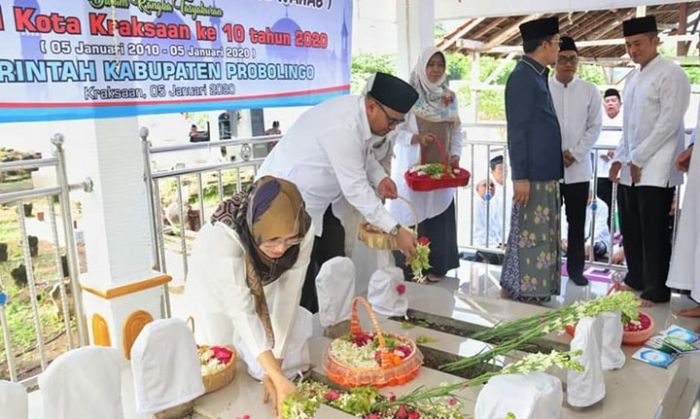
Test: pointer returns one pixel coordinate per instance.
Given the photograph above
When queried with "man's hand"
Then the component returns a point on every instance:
(406, 242)
(454, 161)
(636, 173)
(683, 161)
(569, 158)
(614, 173)
(521, 192)
(387, 189)
(423, 139)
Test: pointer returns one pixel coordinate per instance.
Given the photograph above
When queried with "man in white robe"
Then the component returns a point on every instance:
(656, 97)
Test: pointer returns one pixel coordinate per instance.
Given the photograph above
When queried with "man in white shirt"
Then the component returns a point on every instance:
(656, 97)
(577, 104)
(327, 154)
(612, 118)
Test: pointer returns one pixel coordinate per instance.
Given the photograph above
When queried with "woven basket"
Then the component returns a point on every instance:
(452, 178)
(221, 378)
(377, 239)
(381, 376)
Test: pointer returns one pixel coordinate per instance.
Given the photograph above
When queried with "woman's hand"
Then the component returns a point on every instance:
(423, 139)
(454, 161)
(283, 388)
(274, 382)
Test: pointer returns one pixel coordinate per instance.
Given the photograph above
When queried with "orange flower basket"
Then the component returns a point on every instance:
(375, 238)
(389, 373)
(451, 178)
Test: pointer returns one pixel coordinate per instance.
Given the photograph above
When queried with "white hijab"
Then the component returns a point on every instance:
(436, 102)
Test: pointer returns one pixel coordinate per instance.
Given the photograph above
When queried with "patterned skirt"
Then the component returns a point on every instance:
(532, 266)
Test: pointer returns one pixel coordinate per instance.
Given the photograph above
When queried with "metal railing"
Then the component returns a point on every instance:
(153, 181)
(473, 147)
(61, 193)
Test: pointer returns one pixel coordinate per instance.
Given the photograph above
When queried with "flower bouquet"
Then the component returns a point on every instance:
(423, 403)
(421, 261)
(515, 334)
(217, 364)
(378, 359)
(431, 176)
(361, 401)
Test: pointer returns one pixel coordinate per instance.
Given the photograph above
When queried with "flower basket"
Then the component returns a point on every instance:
(630, 336)
(219, 379)
(388, 372)
(210, 355)
(375, 238)
(449, 177)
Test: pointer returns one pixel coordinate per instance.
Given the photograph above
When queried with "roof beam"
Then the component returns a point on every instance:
(614, 26)
(457, 35)
(598, 43)
(509, 31)
(494, 24)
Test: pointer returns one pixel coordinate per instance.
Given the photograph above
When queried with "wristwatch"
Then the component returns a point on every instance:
(395, 231)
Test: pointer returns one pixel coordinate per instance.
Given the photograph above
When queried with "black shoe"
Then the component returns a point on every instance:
(579, 280)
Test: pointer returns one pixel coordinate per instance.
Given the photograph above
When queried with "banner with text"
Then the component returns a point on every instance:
(111, 58)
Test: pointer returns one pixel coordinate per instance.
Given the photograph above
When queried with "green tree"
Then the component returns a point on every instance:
(364, 65)
(592, 74)
(459, 66)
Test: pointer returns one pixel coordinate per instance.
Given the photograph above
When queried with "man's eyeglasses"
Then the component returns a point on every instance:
(567, 60)
(391, 121)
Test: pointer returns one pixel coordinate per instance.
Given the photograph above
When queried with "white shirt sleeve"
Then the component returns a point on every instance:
(673, 100)
(283, 307)
(375, 171)
(346, 154)
(594, 122)
(241, 308)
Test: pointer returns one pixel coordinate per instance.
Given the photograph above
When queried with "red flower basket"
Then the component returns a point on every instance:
(630, 337)
(451, 177)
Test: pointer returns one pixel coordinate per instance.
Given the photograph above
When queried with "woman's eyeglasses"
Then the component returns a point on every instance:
(275, 243)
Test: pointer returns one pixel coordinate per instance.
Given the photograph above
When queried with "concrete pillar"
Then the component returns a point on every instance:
(121, 293)
(415, 25)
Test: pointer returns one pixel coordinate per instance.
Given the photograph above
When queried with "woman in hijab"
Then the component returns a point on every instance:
(434, 118)
(247, 272)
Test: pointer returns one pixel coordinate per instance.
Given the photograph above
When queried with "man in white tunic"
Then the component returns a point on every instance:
(685, 263)
(577, 104)
(327, 154)
(656, 97)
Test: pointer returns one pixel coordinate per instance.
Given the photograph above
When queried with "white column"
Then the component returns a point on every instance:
(121, 293)
(115, 215)
(415, 25)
